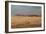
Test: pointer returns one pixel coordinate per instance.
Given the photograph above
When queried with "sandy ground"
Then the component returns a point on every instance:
(26, 21)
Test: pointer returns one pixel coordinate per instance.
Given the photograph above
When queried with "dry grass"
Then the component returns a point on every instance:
(26, 21)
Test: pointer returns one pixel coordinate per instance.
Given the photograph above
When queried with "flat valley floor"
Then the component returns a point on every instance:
(25, 21)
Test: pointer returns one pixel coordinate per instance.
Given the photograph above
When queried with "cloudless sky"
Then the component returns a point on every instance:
(25, 10)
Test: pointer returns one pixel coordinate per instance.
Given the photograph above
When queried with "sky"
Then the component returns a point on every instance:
(25, 10)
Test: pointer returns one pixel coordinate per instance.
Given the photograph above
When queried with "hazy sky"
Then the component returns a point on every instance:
(25, 10)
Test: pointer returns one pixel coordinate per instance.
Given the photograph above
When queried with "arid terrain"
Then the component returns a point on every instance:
(25, 21)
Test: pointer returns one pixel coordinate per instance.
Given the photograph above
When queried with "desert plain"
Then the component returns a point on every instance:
(25, 21)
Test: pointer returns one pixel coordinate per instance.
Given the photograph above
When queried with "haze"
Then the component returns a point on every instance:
(25, 10)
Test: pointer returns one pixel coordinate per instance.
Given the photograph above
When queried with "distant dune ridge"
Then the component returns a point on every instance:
(27, 15)
(26, 21)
